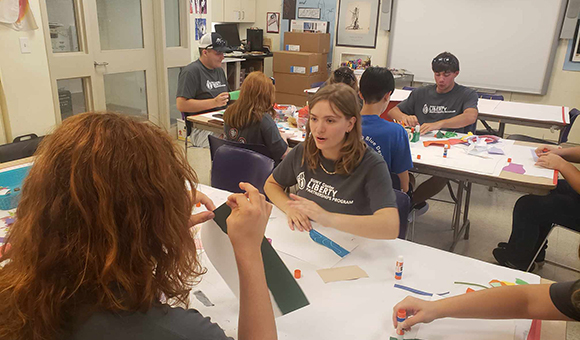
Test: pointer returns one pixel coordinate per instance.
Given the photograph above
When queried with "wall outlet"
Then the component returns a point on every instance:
(24, 45)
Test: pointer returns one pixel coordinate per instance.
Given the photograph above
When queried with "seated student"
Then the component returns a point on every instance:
(103, 239)
(342, 184)
(346, 76)
(557, 301)
(390, 140)
(534, 215)
(249, 119)
(445, 105)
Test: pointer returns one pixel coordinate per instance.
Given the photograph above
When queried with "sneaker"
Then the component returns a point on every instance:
(539, 261)
(506, 258)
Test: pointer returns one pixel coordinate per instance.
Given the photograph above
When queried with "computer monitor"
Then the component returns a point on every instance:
(230, 33)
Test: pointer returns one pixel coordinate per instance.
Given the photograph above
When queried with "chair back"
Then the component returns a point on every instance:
(21, 147)
(404, 206)
(215, 143)
(573, 114)
(232, 165)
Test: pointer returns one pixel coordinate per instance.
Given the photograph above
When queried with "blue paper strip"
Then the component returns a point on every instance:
(417, 291)
(328, 243)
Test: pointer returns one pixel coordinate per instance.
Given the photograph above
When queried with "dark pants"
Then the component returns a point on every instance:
(534, 215)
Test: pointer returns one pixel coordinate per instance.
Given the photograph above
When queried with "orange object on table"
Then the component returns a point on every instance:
(297, 274)
(447, 142)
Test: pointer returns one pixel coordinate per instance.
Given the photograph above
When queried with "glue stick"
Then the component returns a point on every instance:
(445, 148)
(401, 317)
(399, 268)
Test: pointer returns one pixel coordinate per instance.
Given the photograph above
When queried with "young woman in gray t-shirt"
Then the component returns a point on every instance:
(341, 183)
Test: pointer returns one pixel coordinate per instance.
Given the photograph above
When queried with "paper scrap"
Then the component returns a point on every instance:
(521, 282)
(495, 151)
(417, 291)
(515, 168)
(341, 273)
(534, 155)
(325, 241)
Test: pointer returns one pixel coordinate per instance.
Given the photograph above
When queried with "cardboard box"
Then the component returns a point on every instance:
(297, 83)
(181, 129)
(299, 62)
(307, 42)
(290, 98)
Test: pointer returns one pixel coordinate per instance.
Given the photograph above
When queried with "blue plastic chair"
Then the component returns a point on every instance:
(215, 143)
(232, 165)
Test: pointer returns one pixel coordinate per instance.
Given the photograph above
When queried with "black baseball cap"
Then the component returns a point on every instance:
(215, 42)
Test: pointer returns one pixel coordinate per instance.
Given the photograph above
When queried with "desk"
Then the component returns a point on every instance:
(466, 177)
(535, 115)
(207, 121)
(361, 309)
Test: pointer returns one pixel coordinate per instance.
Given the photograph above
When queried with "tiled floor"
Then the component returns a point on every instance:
(490, 215)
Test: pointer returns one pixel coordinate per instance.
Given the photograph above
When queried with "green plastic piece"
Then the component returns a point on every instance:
(495, 284)
(439, 135)
(234, 95)
(521, 282)
(450, 134)
(416, 136)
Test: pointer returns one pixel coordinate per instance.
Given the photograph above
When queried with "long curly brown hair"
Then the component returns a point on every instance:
(102, 225)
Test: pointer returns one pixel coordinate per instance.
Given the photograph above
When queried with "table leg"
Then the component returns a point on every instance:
(501, 129)
(457, 210)
(237, 75)
(466, 212)
(560, 136)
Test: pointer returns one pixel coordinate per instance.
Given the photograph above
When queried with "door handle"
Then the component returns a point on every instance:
(104, 63)
(243, 15)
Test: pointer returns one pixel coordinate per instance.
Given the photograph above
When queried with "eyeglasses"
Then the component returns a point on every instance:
(443, 60)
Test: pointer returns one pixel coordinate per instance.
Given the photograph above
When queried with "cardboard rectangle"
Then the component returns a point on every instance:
(297, 83)
(290, 98)
(299, 62)
(308, 42)
(341, 274)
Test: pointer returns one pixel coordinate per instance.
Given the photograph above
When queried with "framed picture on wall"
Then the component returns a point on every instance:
(357, 23)
(273, 22)
(308, 13)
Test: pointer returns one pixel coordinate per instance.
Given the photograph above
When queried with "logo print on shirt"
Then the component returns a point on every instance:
(242, 140)
(436, 109)
(301, 180)
(425, 109)
(233, 133)
(213, 84)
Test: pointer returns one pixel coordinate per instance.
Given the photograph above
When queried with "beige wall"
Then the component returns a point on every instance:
(28, 105)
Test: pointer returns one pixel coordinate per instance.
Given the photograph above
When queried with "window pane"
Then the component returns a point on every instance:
(120, 24)
(126, 93)
(172, 77)
(71, 96)
(172, 33)
(62, 24)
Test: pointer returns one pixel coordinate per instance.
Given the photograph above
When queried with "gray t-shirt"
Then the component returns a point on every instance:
(430, 106)
(367, 189)
(159, 323)
(199, 82)
(264, 132)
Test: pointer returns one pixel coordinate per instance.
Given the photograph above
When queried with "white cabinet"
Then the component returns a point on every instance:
(234, 11)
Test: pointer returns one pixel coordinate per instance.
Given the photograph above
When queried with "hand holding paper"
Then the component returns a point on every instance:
(309, 208)
(247, 222)
(545, 149)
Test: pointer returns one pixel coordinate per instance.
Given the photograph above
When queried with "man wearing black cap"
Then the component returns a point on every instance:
(445, 105)
(202, 85)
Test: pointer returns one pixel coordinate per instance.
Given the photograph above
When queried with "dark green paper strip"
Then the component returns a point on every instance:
(287, 293)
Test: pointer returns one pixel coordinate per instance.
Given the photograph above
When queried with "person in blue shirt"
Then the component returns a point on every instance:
(389, 139)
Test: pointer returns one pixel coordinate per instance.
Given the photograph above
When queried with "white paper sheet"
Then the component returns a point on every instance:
(538, 112)
(210, 115)
(523, 155)
(300, 245)
(400, 95)
(487, 105)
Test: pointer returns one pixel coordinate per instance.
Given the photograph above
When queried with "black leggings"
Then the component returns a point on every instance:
(534, 215)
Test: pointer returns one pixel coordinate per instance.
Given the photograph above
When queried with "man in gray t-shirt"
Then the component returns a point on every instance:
(445, 105)
(202, 85)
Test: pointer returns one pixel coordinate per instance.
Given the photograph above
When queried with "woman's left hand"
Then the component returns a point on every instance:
(308, 207)
(203, 216)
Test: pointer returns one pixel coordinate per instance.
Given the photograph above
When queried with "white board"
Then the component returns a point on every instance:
(501, 44)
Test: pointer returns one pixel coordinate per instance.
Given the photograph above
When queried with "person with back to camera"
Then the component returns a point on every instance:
(102, 246)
